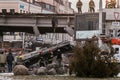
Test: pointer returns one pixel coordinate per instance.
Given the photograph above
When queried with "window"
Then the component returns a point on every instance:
(11, 33)
(103, 30)
(20, 11)
(23, 11)
(69, 5)
(12, 11)
(116, 50)
(43, 5)
(26, 11)
(47, 6)
(90, 25)
(4, 11)
(53, 8)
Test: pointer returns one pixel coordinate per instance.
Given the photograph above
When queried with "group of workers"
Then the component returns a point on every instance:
(109, 4)
(48, 58)
(91, 6)
(6, 58)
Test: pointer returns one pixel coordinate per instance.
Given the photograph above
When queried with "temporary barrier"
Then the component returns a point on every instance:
(115, 41)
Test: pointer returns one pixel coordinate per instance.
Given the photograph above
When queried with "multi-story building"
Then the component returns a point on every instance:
(60, 6)
(35, 6)
(18, 6)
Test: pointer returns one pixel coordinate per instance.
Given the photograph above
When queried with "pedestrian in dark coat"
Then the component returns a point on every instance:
(59, 57)
(10, 60)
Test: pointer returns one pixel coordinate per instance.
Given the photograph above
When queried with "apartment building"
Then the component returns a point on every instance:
(18, 6)
(35, 6)
(60, 6)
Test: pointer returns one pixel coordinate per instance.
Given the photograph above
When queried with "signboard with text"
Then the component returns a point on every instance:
(87, 25)
(86, 34)
(115, 24)
(22, 6)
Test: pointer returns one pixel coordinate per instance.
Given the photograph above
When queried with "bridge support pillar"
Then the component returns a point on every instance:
(68, 29)
(36, 30)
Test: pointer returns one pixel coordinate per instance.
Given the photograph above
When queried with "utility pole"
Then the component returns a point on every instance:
(54, 6)
(29, 6)
(23, 40)
(41, 6)
(118, 3)
(100, 17)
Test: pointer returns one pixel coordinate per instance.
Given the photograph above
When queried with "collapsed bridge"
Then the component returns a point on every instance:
(33, 57)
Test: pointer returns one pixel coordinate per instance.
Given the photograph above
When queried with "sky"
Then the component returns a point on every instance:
(85, 4)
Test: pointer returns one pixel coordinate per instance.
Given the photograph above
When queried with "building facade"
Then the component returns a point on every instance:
(112, 24)
(36, 6)
(58, 6)
(18, 6)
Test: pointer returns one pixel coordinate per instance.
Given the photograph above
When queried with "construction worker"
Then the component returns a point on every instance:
(42, 62)
(50, 57)
(59, 57)
(79, 6)
(92, 6)
(19, 57)
(113, 3)
(107, 3)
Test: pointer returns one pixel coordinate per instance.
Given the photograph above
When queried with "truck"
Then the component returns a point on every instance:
(117, 52)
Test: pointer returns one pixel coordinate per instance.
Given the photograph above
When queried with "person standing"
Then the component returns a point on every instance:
(59, 57)
(113, 3)
(10, 60)
(79, 6)
(105, 49)
(92, 6)
(107, 4)
(50, 57)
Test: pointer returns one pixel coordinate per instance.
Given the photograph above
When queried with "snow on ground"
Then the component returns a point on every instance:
(8, 76)
(5, 76)
(118, 75)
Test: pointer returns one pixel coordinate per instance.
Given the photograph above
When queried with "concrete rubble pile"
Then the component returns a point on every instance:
(50, 69)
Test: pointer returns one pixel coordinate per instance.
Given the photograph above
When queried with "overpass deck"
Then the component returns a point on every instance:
(26, 22)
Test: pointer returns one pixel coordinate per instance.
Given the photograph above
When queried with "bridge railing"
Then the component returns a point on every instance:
(25, 57)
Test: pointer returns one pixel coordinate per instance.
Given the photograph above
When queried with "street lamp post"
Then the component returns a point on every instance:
(29, 6)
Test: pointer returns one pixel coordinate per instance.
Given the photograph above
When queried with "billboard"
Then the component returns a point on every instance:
(86, 34)
(87, 25)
